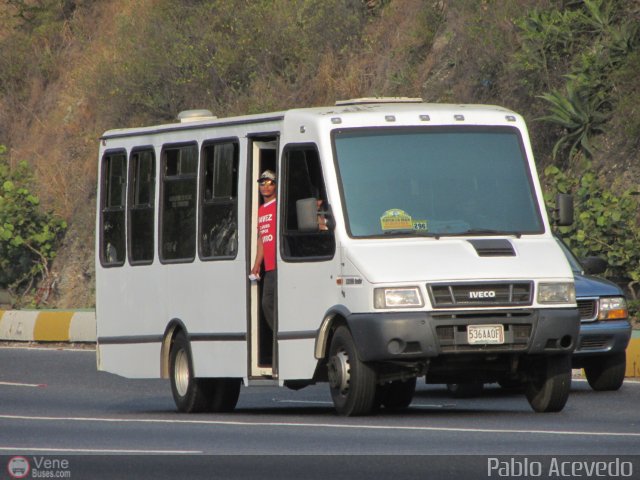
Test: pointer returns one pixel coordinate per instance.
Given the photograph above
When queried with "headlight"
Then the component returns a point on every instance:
(406, 297)
(614, 308)
(556, 293)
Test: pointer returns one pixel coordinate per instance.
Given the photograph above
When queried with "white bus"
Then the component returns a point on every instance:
(439, 260)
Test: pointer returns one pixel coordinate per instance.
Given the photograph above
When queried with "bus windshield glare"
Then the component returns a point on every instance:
(436, 182)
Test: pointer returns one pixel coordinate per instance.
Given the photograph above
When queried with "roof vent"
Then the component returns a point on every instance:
(368, 100)
(195, 115)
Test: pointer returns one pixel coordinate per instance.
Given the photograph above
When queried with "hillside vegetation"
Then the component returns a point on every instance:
(70, 69)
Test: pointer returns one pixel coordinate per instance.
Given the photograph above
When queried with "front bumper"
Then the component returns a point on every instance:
(421, 335)
(601, 338)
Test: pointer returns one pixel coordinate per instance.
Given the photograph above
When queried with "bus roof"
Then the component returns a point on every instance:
(362, 112)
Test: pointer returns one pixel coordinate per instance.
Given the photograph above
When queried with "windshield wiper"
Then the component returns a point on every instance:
(488, 231)
(408, 233)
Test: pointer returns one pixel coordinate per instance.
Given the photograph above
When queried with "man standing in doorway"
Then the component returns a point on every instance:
(266, 251)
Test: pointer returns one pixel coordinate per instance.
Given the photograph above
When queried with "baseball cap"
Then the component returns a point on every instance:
(267, 175)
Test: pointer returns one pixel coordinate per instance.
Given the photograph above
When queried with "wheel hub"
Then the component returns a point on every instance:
(181, 373)
(339, 372)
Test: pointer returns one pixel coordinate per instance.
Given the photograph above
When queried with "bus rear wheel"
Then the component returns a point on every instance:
(351, 381)
(192, 395)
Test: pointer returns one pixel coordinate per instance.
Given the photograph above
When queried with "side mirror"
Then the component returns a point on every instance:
(594, 265)
(308, 212)
(564, 210)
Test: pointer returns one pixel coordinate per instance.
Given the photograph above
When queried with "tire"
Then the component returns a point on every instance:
(465, 390)
(352, 383)
(189, 394)
(549, 384)
(397, 394)
(193, 395)
(606, 373)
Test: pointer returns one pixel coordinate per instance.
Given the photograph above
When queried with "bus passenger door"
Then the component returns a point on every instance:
(262, 346)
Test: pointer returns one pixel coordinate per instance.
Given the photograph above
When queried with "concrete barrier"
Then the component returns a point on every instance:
(633, 355)
(80, 326)
(47, 326)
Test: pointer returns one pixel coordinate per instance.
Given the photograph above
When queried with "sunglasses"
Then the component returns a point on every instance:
(262, 183)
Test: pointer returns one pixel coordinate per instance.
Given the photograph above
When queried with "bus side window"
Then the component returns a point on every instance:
(142, 206)
(303, 180)
(178, 205)
(112, 241)
(219, 201)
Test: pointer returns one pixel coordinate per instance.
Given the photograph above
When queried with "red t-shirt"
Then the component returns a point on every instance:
(267, 233)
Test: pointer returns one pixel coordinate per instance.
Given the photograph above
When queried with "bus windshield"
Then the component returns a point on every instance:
(436, 182)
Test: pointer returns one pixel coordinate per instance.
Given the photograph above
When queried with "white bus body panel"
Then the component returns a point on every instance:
(118, 359)
(137, 303)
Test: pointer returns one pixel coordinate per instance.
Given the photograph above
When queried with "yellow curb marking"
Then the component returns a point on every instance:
(52, 326)
(633, 358)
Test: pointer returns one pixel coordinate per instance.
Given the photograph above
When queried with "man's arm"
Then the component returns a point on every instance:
(259, 257)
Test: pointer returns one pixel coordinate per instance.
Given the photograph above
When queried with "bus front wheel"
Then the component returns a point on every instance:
(351, 381)
(549, 384)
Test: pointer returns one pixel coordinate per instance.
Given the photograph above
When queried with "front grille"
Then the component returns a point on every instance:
(521, 332)
(445, 333)
(588, 309)
(490, 294)
(594, 342)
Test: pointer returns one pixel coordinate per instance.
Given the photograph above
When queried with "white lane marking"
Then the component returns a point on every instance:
(96, 450)
(432, 405)
(316, 425)
(413, 405)
(308, 402)
(52, 348)
(14, 384)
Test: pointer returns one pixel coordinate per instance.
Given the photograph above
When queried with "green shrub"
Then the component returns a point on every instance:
(548, 42)
(606, 223)
(28, 236)
(581, 47)
(581, 114)
(627, 92)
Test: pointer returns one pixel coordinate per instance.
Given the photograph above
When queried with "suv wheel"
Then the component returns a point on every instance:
(606, 372)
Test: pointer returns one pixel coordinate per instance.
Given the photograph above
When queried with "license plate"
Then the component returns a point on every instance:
(485, 334)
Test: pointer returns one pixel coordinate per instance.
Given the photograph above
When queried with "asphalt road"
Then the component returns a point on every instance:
(55, 406)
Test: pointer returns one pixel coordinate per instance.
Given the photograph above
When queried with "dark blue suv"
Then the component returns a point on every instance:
(604, 329)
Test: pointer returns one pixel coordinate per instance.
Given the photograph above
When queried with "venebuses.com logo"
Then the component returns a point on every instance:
(18, 467)
(38, 467)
